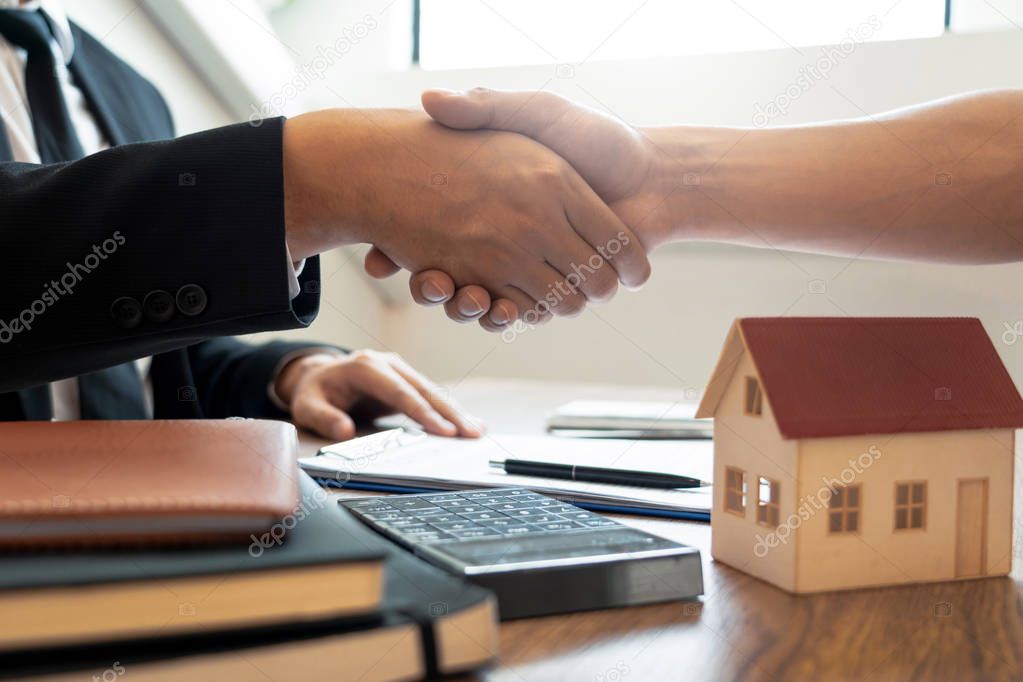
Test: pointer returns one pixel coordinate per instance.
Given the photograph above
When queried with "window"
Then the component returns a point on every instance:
(767, 502)
(754, 398)
(461, 34)
(844, 509)
(910, 505)
(735, 491)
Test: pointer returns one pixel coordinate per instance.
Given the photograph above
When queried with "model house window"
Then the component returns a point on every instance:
(735, 491)
(910, 505)
(754, 399)
(767, 502)
(844, 509)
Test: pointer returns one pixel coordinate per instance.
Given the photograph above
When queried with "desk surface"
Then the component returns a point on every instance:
(745, 629)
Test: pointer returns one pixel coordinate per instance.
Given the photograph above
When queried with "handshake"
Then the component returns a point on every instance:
(506, 205)
(524, 205)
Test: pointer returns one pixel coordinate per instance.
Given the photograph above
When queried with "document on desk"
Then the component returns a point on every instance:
(399, 461)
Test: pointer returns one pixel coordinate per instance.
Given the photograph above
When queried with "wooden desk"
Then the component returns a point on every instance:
(745, 629)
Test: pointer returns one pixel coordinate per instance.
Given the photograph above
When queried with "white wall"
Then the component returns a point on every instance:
(670, 333)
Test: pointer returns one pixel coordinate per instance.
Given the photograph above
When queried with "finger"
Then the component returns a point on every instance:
(502, 312)
(380, 381)
(530, 311)
(584, 269)
(469, 303)
(604, 231)
(378, 265)
(431, 287)
(468, 426)
(549, 288)
(315, 412)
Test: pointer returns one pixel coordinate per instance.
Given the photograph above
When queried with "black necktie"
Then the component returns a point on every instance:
(115, 392)
(51, 123)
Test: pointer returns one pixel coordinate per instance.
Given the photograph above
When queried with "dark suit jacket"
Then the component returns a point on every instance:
(202, 212)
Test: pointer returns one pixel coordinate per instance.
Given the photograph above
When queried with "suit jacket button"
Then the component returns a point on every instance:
(191, 299)
(127, 312)
(158, 305)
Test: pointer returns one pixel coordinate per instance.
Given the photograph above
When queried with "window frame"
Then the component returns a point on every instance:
(753, 397)
(742, 491)
(772, 507)
(845, 509)
(909, 506)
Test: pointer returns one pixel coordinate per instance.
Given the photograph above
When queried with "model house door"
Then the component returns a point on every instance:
(971, 528)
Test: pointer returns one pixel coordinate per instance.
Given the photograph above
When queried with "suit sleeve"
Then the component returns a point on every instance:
(233, 377)
(144, 248)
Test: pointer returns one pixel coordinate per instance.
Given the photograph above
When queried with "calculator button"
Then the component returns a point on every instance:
(475, 533)
(454, 525)
(560, 525)
(599, 522)
(483, 515)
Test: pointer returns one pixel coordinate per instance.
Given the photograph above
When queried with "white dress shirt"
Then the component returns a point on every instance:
(17, 120)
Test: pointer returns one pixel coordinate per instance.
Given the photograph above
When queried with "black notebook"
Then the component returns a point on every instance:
(427, 622)
(306, 567)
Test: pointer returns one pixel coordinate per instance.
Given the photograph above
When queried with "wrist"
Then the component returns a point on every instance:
(689, 176)
(325, 197)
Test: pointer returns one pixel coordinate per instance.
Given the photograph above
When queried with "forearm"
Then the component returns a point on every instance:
(939, 182)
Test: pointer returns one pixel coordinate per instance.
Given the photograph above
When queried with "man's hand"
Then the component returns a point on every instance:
(617, 162)
(489, 208)
(327, 393)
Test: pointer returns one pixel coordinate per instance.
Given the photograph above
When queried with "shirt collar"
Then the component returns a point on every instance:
(58, 19)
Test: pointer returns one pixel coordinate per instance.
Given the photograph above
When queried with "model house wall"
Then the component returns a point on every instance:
(753, 445)
(887, 444)
(878, 554)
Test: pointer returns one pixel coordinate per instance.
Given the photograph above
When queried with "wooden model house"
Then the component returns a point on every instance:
(851, 452)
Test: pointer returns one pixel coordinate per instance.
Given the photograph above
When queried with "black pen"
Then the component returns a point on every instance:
(572, 472)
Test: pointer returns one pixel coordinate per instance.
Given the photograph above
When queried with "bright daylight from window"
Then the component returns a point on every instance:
(460, 34)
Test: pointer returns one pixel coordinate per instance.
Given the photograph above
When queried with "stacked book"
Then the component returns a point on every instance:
(172, 549)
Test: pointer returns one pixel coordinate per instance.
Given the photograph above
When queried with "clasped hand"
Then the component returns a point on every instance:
(613, 159)
(496, 213)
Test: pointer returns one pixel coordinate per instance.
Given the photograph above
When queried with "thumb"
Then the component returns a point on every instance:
(456, 109)
(534, 113)
(318, 414)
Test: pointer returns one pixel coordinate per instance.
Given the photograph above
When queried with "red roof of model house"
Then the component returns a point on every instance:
(842, 376)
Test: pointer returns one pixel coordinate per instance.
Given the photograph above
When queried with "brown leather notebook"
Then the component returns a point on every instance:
(90, 483)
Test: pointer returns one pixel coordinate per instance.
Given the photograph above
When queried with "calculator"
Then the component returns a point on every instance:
(538, 554)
